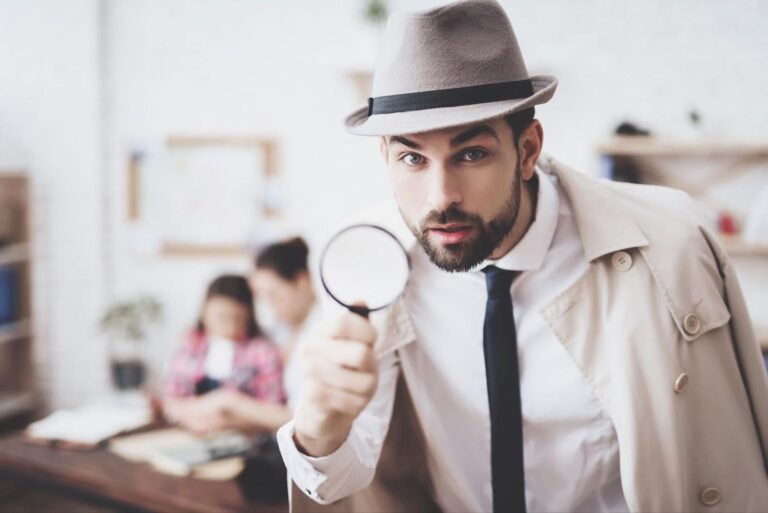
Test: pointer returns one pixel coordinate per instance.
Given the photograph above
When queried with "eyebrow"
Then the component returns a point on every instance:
(473, 132)
(466, 135)
(405, 142)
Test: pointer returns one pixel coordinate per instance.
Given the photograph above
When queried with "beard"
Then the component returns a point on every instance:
(481, 243)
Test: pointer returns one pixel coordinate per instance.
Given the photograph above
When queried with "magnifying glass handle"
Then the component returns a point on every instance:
(360, 310)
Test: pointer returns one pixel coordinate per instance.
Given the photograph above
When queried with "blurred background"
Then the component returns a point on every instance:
(147, 146)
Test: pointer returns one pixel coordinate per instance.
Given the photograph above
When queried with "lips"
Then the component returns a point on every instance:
(452, 227)
(451, 233)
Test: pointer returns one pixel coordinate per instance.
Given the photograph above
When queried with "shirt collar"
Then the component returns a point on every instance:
(528, 254)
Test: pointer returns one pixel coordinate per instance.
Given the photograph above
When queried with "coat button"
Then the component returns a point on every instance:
(621, 261)
(692, 324)
(680, 382)
(710, 496)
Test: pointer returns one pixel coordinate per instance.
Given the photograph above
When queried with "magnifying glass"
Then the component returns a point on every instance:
(364, 264)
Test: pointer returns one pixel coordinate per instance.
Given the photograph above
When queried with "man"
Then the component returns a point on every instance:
(563, 344)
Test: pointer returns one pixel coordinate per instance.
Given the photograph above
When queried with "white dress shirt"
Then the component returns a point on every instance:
(571, 453)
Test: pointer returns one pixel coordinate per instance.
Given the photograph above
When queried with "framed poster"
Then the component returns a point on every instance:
(203, 195)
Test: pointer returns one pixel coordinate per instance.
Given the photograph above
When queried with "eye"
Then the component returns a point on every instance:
(473, 155)
(412, 159)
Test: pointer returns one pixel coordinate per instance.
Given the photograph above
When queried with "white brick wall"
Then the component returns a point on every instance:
(49, 124)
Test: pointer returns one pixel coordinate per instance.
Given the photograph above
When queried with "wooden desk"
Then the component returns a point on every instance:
(101, 477)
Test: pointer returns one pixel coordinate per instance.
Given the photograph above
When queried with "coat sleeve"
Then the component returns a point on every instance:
(748, 354)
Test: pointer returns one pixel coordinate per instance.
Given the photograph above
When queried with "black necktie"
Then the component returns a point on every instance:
(501, 369)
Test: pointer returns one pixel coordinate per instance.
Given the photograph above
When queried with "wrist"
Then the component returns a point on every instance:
(317, 447)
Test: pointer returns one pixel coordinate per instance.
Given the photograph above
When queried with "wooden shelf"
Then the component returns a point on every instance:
(12, 404)
(736, 246)
(641, 146)
(14, 253)
(17, 375)
(14, 331)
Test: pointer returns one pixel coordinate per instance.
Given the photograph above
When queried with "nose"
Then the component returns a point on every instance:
(443, 189)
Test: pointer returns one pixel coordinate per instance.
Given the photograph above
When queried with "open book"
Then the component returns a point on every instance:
(88, 426)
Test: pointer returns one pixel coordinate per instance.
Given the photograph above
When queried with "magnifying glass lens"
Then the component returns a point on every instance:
(364, 264)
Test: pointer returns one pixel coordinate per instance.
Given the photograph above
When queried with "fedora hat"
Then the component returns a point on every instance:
(445, 67)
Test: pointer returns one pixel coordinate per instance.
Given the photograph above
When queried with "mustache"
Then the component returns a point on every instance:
(452, 214)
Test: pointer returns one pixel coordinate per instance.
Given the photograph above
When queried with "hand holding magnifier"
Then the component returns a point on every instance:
(364, 268)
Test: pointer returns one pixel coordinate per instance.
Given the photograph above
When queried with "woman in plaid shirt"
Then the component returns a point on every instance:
(226, 375)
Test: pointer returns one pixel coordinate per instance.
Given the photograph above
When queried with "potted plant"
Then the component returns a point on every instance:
(127, 325)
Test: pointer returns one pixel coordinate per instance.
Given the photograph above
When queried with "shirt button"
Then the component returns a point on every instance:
(710, 496)
(692, 324)
(680, 382)
(621, 261)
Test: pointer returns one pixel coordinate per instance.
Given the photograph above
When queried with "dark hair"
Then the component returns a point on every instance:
(288, 258)
(236, 288)
(519, 121)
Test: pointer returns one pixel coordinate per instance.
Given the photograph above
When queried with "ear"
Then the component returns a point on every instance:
(529, 148)
(383, 149)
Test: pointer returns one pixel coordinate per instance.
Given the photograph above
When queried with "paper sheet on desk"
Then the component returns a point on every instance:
(89, 425)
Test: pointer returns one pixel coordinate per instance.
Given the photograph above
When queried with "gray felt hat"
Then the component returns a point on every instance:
(445, 67)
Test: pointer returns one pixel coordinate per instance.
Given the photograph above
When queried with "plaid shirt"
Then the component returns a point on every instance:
(257, 369)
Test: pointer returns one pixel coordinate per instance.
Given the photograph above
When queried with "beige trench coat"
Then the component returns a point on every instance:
(660, 300)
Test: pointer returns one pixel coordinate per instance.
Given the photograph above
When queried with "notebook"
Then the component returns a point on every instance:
(178, 452)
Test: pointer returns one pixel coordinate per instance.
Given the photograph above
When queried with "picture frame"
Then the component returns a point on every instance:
(202, 195)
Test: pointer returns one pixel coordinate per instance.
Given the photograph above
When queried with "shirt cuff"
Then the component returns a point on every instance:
(312, 475)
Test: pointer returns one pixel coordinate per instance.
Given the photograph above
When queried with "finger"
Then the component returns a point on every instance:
(354, 327)
(342, 401)
(344, 353)
(361, 383)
